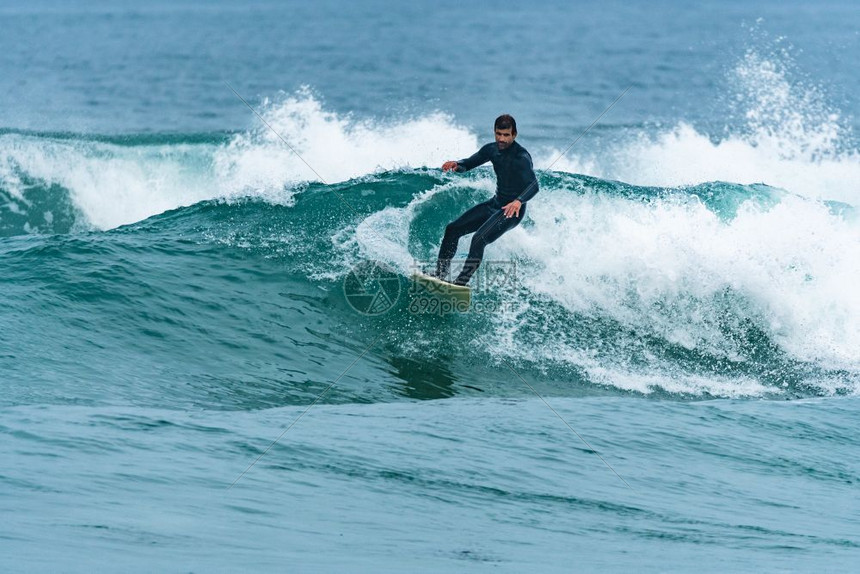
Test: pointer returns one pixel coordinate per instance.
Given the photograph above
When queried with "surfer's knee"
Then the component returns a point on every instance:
(479, 241)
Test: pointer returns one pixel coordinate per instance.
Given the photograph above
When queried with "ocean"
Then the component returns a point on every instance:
(213, 358)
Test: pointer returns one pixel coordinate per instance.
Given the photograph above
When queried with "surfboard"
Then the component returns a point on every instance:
(441, 289)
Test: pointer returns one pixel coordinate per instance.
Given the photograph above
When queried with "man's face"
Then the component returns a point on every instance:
(504, 138)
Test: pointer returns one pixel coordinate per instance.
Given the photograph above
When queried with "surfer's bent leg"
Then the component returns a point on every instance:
(467, 223)
(495, 227)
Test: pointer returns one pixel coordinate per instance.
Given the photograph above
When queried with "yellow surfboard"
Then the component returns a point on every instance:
(444, 290)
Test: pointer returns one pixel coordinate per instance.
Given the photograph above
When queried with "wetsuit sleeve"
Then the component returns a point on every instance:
(482, 156)
(527, 174)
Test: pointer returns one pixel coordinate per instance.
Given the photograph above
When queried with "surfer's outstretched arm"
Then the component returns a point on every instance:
(481, 157)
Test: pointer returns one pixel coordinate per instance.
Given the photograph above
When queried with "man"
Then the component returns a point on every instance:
(515, 185)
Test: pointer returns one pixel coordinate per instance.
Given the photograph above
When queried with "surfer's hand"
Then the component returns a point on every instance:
(513, 208)
(449, 166)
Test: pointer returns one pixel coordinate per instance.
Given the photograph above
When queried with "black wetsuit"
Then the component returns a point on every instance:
(516, 179)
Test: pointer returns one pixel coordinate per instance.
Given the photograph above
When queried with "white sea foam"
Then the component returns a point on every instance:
(110, 184)
(672, 269)
(789, 137)
(333, 148)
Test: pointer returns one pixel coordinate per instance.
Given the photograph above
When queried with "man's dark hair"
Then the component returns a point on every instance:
(506, 122)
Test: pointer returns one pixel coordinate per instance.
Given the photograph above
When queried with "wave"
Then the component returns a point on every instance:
(711, 290)
(114, 181)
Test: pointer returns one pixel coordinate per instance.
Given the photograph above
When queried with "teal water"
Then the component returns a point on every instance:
(661, 376)
(461, 484)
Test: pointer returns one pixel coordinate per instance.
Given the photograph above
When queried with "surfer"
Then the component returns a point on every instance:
(516, 183)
